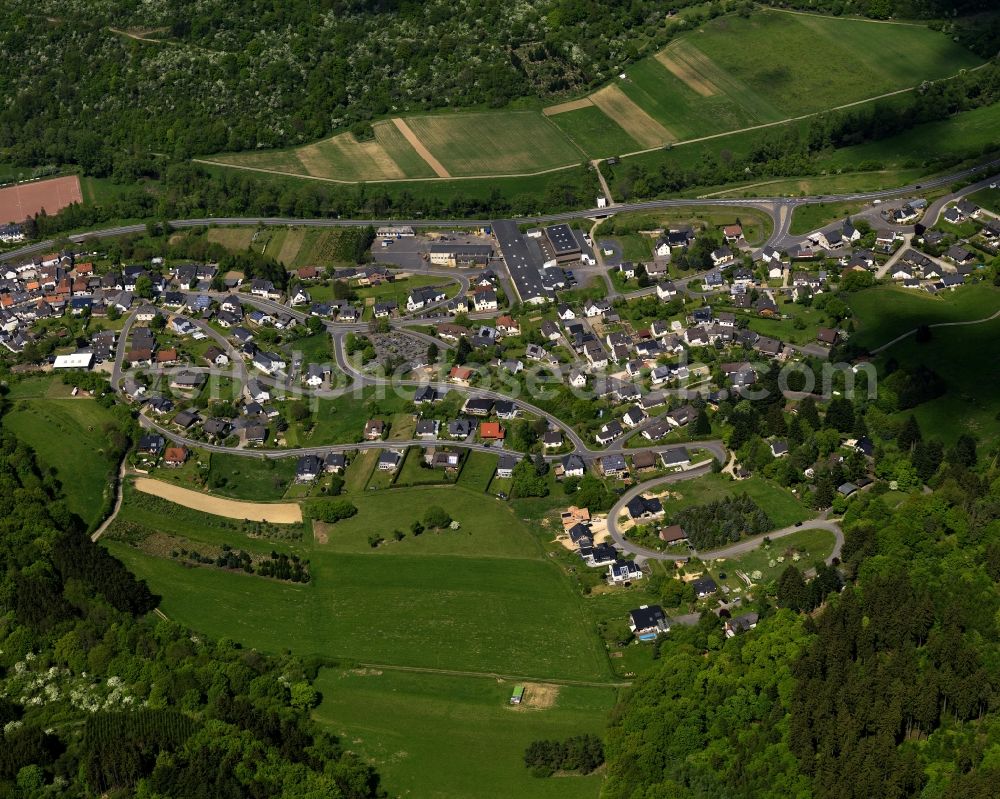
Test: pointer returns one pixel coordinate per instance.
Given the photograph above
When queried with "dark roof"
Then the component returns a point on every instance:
(647, 616)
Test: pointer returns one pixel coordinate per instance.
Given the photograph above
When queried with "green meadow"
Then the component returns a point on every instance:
(482, 598)
(451, 737)
(69, 435)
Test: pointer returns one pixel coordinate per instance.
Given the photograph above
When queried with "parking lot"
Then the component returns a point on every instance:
(408, 252)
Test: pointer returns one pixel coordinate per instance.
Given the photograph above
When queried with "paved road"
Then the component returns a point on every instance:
(739, 548)
(773, 206)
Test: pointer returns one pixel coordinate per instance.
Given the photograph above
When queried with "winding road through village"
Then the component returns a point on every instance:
(779, 209)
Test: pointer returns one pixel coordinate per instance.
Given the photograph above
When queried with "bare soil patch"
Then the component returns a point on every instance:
(539, 696)
(19, 202)
(277, 513)
(572, 105)
(633, 120)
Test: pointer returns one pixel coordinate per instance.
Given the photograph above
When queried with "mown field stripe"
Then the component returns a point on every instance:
(421, 149)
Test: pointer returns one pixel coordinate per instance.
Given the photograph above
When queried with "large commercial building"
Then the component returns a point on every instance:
(524, 262)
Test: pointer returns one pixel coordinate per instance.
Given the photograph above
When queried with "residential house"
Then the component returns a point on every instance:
(740, 624)
(491, 431)
(614, 465)
(427, 428)
(647, 622)
(307, 469)
(388, 460)
(573, 466)
(175, 456)
(644, 507)
(506, 464)
(623, 571)
(676, 458)
(672, 534)
(608, 432)
(374, 430)
(704, 586)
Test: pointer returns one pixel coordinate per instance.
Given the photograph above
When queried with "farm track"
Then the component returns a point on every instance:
(492, 675)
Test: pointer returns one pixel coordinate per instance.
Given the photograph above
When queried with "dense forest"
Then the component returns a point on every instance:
(104, 84)
(98, 696)
(116, 86)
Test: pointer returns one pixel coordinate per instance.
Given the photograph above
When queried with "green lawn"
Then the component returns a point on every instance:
(69, 435)
(807, 218)
(414, 473)
(449, 737)
(314, 349)
(781, 505)
(477, 471)
(341, 420)
(802, 62)
(260, 479)
(884, 312)
(988, 199)
(498, 534)
(803, 548)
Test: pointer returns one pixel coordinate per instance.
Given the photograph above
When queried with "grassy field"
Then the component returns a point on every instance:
(477, 471)
(958, 355)
(594, 132)
(413, 473)
(451, 737)
(807, 218)
(965, 135)
(800, 63)
(475, 612)
(69, 435)
(884, 312)
(781, 505)
(236, 239)
(988, 199)
(496, 143)
(811, 545)
(239, 477)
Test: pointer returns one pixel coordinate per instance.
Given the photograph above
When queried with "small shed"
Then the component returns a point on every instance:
(518, 695)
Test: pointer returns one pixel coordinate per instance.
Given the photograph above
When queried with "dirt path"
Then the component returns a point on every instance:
(421, 149)
(119, 495)
(276, 513)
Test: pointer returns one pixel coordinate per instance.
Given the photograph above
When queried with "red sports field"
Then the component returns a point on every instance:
(19, 202)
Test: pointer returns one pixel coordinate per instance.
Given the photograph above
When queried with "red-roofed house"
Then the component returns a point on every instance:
(491, 431)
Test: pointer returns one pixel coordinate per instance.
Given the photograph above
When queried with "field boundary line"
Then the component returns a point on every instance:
(420, 147)
(793, 119)
(300, 176)
(933, 325)
(492, 675)
(848, 19)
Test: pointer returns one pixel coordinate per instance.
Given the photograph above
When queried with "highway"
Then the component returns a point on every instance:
(778, 208)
